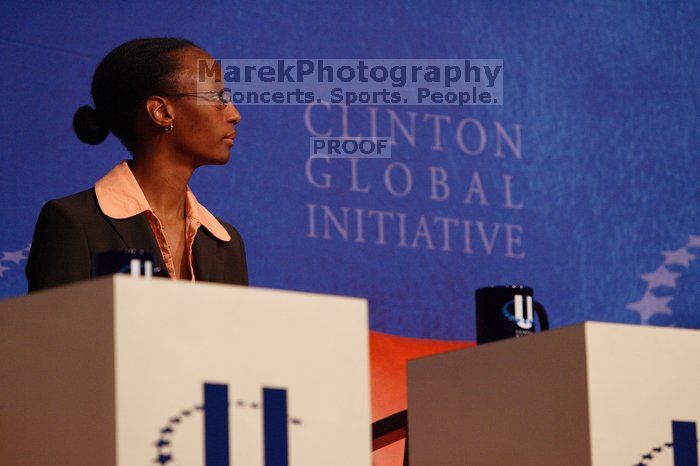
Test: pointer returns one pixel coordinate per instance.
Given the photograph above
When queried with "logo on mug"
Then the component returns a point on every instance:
(513, 310)
(507, 311)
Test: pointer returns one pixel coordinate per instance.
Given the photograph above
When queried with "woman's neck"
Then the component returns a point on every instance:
(164, 183)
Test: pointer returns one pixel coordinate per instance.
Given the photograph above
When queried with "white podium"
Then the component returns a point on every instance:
(125, 371)
(590, 394)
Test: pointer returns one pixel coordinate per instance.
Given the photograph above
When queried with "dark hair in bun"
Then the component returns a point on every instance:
(88, 126)
(123, 81)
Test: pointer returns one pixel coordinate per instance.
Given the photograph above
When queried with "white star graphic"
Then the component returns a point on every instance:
(679, 256)
(650, 305)
(662, 277)
(693, 241)
(15, 257)
(2, 269)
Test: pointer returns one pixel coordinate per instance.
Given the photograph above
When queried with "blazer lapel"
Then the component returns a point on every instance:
(136, 233)
(204, 252)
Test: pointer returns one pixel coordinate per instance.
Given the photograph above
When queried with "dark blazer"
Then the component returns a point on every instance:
(71, 230)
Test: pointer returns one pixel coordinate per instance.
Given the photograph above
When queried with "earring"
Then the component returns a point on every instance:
(169, 128)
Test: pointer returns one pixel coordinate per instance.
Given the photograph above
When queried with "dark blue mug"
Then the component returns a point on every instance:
(507, 311)
(110, 262)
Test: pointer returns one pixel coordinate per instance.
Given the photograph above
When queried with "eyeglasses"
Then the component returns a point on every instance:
(222, 97)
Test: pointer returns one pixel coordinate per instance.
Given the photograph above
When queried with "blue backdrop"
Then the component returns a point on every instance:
(583, 184)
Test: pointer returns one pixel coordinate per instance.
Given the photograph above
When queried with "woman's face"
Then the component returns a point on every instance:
(203, 127)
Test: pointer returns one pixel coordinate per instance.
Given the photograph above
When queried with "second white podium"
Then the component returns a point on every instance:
(590, 394)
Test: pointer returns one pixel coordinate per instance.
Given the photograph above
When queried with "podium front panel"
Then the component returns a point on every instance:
(292, 368)
(643, 382)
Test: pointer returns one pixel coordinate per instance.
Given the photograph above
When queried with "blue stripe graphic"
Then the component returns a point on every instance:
(275, 420)
(685, 444)
(216, 443)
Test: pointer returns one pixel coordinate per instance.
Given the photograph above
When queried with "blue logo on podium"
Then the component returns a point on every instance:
(217, 448)
(685, 446)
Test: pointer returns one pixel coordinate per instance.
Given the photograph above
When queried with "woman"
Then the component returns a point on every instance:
(147, 94)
